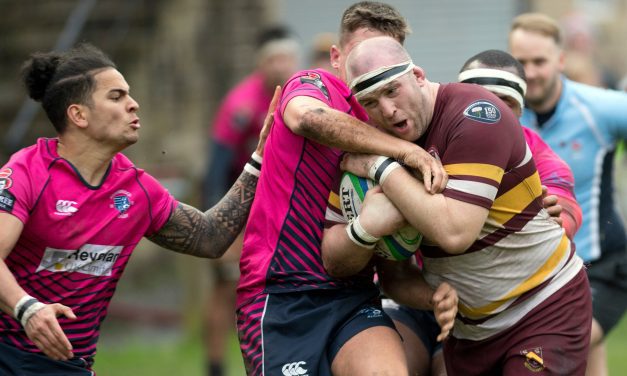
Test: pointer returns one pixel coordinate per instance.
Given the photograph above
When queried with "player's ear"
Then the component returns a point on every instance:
(76, 114)
(419, 73)
(335, 56)
(561, 62)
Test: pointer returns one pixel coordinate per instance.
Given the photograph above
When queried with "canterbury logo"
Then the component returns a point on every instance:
(294, 369)
(65, 207)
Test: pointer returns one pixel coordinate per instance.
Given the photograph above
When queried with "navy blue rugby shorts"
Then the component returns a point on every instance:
(15, 362)
(303, 331)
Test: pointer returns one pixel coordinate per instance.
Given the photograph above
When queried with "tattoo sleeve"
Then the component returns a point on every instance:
(209, 234)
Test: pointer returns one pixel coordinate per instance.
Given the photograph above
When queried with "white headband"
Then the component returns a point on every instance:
(497, 81)
(371, 81)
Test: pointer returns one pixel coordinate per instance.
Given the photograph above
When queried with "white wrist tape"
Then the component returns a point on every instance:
(256, 157)
(36, 307)
(253, 166)
(25, 308)
(381, 168)
(359, 235)
(20, 303)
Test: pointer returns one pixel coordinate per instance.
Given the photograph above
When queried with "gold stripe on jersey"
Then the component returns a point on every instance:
(534, 280)
(514, 201)
(334, 200)
(482, 170)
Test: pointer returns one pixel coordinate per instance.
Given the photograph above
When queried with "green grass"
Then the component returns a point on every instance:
(617, 349)
(179, 358)
(185, 357)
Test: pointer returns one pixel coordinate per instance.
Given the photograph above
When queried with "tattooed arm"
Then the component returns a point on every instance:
(209, 234)
(314, 119)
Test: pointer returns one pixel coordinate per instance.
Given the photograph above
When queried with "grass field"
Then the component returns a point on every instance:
(184, 357)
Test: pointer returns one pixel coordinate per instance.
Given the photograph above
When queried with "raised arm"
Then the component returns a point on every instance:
(209, 234)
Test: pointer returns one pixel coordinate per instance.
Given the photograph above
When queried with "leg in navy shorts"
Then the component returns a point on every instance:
(301, 332)
(419, 330)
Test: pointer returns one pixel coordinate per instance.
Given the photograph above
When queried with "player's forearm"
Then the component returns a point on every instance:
(451, 224)
(209, 234)
(340, 256)
(10, 291)
(403, 282)
(334, 128)
(571, 215)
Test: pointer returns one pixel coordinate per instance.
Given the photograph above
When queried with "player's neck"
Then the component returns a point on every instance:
(91, 161)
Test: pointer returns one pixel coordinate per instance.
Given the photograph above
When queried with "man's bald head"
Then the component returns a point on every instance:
(374, 53)
(374, 63)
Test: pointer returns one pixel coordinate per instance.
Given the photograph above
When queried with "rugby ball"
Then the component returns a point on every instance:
(398, 246)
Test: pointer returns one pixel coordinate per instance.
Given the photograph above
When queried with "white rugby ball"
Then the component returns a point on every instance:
(398, 246)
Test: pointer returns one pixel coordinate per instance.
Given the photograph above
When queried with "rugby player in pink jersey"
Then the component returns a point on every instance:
(234, 136)
(73, 209)
(294, 318)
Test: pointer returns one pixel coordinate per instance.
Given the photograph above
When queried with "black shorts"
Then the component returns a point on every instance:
(288, 333)
(421, 322)
(15, 362)
(608, 284)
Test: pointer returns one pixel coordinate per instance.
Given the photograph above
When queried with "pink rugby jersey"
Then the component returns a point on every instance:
(554, 172)
(240, 119)
(77, 238)
(282, 241)
(558, 178)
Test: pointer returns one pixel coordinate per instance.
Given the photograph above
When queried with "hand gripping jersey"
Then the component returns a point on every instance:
(77, 238)
(282, 241)
(521, 257)
(583, 131)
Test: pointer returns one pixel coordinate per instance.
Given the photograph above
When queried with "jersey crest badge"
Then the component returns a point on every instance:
(122, 202)
(483, 112)
(533, 359)
(315, 79)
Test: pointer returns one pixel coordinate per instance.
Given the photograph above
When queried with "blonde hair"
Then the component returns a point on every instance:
(538, 23)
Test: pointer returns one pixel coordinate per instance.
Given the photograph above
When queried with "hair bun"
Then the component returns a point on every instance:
(38, 71)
